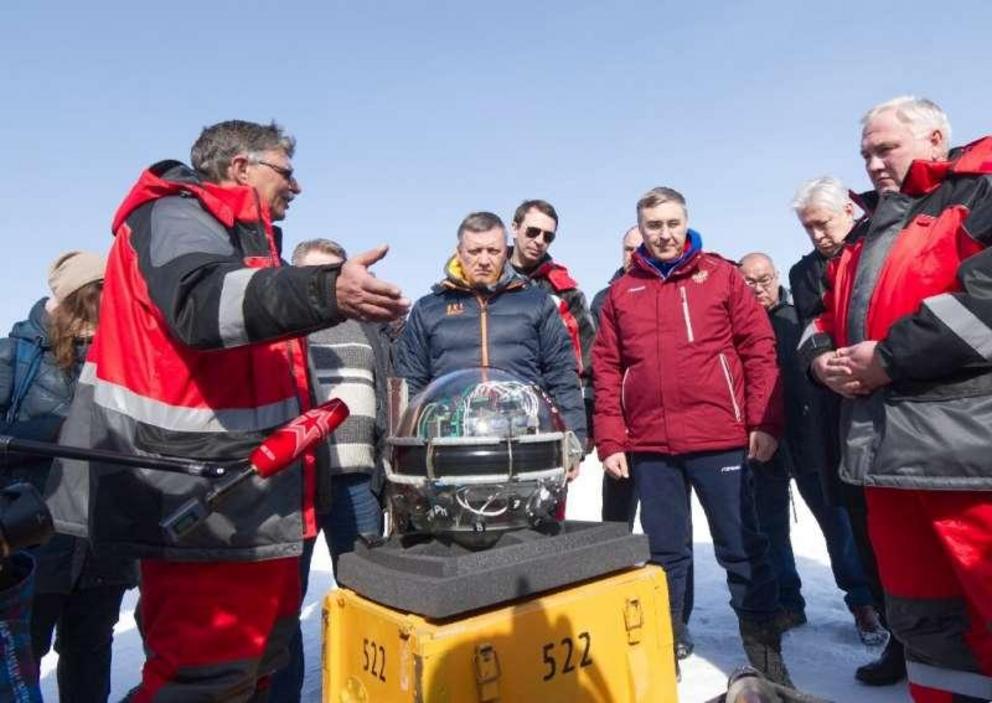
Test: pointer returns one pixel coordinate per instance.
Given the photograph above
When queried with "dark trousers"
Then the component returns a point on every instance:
(354, 511)
(83, 622)
(771, 496)
(722, 484)
(620, 505)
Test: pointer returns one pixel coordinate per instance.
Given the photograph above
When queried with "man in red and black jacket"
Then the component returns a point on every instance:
(687, 385)
(200, 354)
(535, 226)
(905, 336)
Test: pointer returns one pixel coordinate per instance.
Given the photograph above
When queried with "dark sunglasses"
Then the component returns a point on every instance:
(535, 232)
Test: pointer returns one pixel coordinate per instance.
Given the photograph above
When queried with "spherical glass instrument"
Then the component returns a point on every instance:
(477, 453)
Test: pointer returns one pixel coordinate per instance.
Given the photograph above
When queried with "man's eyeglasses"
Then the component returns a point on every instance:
(286, 173)
(535, 232)
(763, 281)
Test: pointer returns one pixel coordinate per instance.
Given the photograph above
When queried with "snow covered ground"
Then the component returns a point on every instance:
(822, 655)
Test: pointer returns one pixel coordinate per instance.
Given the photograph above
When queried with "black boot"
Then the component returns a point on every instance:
(888, 669)
(763, 646)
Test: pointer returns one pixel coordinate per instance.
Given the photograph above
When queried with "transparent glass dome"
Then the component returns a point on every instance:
(479, 402)
(477, 453)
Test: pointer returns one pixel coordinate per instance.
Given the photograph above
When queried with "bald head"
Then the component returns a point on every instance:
(761, 277)
(631, 240)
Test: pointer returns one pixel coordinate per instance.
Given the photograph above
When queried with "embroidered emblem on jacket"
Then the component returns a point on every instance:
(701, 276)
(455, 309)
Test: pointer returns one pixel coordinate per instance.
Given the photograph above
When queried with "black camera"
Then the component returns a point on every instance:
(24, 518)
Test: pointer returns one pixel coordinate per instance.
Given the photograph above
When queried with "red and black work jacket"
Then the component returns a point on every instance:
(683, 362)
(919, 282)
(571, 302)
(199, 353)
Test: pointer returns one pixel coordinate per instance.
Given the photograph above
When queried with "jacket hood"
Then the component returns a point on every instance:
(454, 277)
(693, 248)
(974, 159)
(35, 326)
(557, 274)
(227, 203)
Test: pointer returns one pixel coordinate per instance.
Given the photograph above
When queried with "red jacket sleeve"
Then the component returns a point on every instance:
(609, 426)
(754, 341)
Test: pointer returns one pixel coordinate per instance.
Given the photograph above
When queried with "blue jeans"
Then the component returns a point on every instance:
(721, 481)
(771, 494)
(354, 511)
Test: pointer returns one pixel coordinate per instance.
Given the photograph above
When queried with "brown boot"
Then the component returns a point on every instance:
(763, 645)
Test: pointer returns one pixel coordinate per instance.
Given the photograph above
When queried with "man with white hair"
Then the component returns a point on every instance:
(827, 211)
(905, 336)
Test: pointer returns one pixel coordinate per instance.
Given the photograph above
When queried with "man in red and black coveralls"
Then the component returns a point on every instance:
(905, 336)
(200, 353)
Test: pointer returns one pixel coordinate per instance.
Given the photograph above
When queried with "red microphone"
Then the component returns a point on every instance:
(289, 442)
(279, 450)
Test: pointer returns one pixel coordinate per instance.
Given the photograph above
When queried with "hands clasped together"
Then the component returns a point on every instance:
(852, 371)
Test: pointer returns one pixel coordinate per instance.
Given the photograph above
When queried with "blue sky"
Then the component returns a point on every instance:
(411, 114)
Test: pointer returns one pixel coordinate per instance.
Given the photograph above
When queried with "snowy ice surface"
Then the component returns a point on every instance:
(822, 655)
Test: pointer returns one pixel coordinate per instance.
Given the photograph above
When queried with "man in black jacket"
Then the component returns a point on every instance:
(483, 314)
(794, 461)
(827, 211)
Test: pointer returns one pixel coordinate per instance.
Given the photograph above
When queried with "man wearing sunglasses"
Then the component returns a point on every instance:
(200, 353)
(535, 226)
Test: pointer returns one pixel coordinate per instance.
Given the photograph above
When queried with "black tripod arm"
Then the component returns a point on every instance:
(190, 467)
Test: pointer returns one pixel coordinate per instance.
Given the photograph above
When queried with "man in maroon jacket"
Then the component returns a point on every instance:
(686, 382)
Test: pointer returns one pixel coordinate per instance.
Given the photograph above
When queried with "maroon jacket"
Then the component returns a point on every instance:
(684, 363)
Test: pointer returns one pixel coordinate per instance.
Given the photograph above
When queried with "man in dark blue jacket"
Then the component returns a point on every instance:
(483, 314)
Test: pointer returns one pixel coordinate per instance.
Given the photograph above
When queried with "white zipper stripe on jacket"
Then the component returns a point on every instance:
(623, 389)
(730, 385)
(685, 314)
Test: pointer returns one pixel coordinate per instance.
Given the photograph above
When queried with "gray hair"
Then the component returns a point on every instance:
(324, 246)
(218, 144)
(921, 114)
(480, 222)
(825, 191)
(657, 196)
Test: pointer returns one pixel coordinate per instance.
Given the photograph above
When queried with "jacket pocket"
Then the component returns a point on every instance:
(729, 378)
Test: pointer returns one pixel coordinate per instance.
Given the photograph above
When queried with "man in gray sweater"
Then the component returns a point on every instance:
(349, 361)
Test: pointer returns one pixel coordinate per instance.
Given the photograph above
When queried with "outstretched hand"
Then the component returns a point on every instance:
(361, 296)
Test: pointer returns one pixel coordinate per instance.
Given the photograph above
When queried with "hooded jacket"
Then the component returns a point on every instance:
(684, 360)
(918, 284)
(514, 326)
(199, 354)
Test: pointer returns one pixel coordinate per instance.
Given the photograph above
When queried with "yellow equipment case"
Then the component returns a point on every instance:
(607, 640)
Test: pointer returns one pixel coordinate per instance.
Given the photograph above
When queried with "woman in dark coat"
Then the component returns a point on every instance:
(77, 594)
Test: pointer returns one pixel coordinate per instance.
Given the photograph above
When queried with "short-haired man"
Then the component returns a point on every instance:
(687, 385)
(827, 211)
(791, 461)
(483, 314)
(904, 336)
(199, 354)
(350, 361)
(535, 226)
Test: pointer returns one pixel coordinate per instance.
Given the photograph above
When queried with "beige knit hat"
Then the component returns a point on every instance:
(73, 270)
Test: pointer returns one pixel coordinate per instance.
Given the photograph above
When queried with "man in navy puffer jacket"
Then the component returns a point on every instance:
(483, 314)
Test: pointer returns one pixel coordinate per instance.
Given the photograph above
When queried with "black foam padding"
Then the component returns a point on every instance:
(437, 579)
